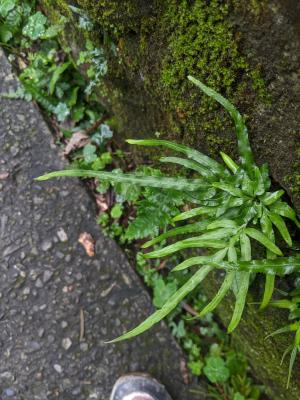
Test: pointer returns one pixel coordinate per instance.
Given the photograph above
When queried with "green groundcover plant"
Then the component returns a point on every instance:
(232, 207)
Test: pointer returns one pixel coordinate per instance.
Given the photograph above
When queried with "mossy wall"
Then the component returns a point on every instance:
(247, 49)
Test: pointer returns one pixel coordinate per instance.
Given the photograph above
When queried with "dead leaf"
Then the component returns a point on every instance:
(78, 140)
(88, 243)
(101, 201)
(4, 175)
(184, 371)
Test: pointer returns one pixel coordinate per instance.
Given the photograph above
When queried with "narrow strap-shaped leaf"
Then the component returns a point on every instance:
(229, 189)
(195, 155)
(185, 244)
(245, 247)
(241, 129)
(248, 185)
(263, 239)
(57, 72)
(152, 181)
(195, 212)
(230, 202)
(170, 304)
(284, 329)
(287, 350)
(267, 229)
(218, 256)
(271, 197)
(291, 364)
(264, 169)
(286, 211)
(193, 165)
(281, 226)
(240, 301)
(229, 162)
(226, 285)
(268, 290)
(259, 187)
(222, 223)
(279, 266)
(196, 227)
(201, 197)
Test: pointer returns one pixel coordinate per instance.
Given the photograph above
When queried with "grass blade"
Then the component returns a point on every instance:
(263, 239)
(195, 155)
(152, 181)
(171, 303)
(291, 364)
(241, 129)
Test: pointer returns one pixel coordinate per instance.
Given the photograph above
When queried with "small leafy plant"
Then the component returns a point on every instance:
(232, 206)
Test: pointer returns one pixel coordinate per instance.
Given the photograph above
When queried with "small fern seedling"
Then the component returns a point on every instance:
(234, 207)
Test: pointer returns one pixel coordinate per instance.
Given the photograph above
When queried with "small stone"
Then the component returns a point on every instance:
(66, 343)
(9, 392)
(47, 275)
(39, 283)
(34, 346)
(41, 332)
(63, 237)
(46, 245)
(14, 150)
(58, 368)
(84, 346)
(26, 291)
(64, 324)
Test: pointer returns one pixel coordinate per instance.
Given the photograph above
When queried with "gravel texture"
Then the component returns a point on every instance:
(57, 304)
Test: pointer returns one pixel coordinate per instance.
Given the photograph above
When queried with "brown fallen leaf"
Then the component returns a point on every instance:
(88, 243)
(4, 175)
(184, 371)
(78, 140)
(101, 201)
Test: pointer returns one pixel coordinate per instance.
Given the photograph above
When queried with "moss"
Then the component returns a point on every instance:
(202, 42)
(113, 15)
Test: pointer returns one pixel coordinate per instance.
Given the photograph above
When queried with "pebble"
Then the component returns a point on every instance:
(9, 392)
(26, 290)
(84, 346)
(61, 233)
(66, 343)
(41, 332)
(47, 275)
(39, 283)
(58, 368)
(64, 324)
(46, 245)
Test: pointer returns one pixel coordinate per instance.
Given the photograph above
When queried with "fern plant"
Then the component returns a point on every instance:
(232, 206)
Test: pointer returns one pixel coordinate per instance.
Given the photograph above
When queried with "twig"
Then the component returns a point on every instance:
(95, 125)
(81, 334)
(189, 309)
